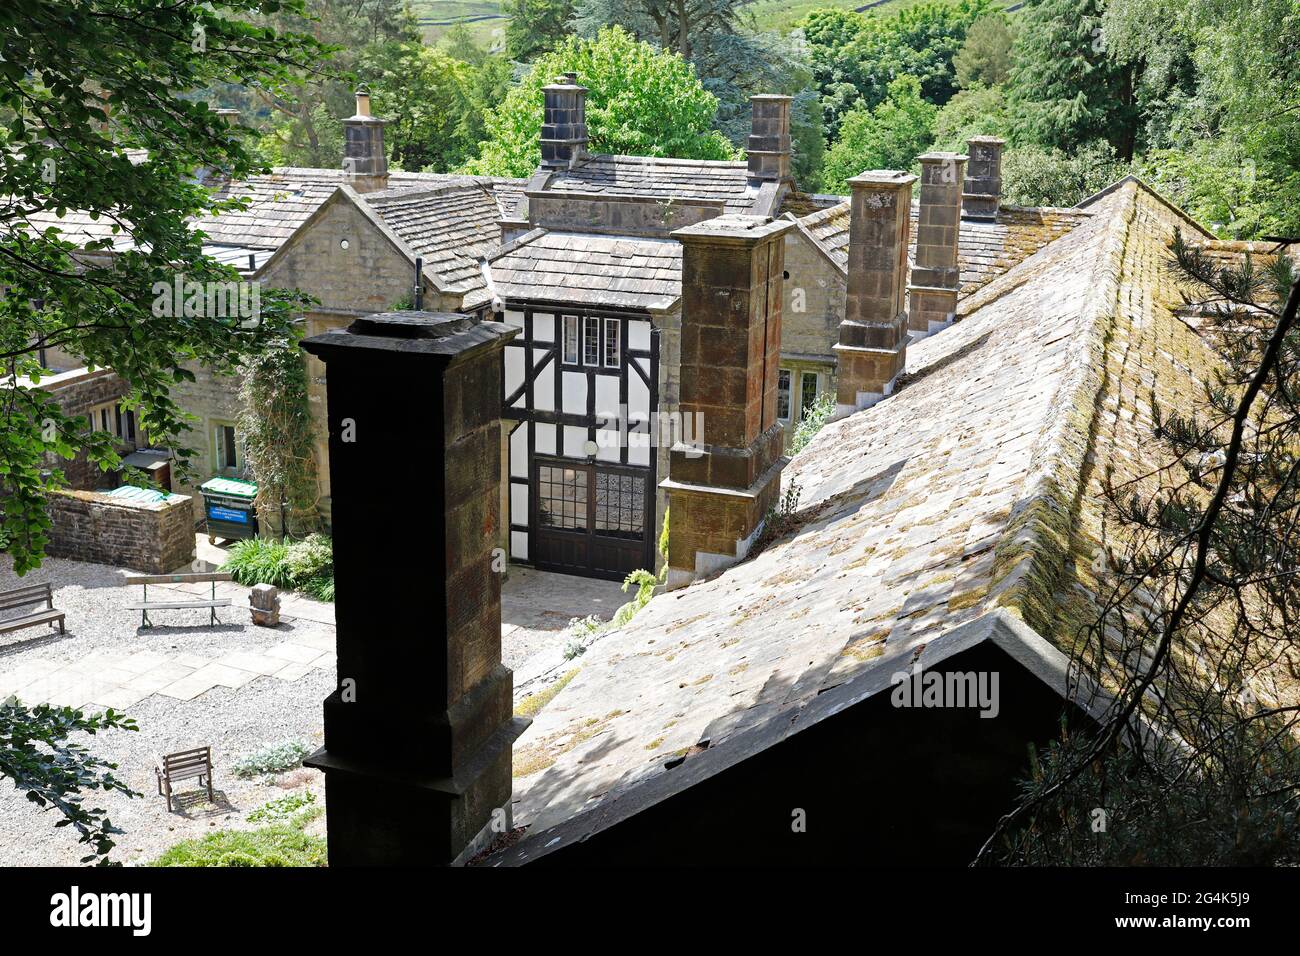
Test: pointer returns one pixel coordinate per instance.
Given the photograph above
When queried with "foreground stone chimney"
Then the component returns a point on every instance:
(872, 350)
(769, 138)
(419, 731)
(720, 490)
(936, 273)
(564, 122)
(983, 189)
(363, 149)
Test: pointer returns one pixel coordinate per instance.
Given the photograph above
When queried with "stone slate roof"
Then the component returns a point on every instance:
(452, 226)
(643, 274)
(509, 194)
(936, 518)
(659, 178)
(462, 215)
(985, 249)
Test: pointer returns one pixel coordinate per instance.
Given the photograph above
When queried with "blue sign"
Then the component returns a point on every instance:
(218, 513)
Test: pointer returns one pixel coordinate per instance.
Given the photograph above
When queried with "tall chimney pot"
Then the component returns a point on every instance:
(364, 160)
(769, 138)
(564, 122)
(872, 349)
(719, 494)
(420, 726)
(982, 192)
(936, 272)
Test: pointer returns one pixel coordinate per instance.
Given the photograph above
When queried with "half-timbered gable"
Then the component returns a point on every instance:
(583, 382)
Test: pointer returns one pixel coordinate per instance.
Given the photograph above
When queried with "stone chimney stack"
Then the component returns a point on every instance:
(872, 350)
(720, 490)
(936, 273)
(983, 189)
(420, 726)
(769, 138)
(363, 149)
(564, 122)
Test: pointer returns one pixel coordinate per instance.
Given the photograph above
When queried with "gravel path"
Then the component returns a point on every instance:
(103, 637)
(235, 722)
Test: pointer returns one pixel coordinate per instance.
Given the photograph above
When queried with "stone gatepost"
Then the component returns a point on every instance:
(418, 732)
(720, 490)
(983, 189)
(936, 273)
(872, 350)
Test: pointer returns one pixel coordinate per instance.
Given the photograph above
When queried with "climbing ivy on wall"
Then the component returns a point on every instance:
(275, 424)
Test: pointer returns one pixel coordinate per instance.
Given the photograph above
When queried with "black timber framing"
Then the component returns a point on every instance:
(529, 416)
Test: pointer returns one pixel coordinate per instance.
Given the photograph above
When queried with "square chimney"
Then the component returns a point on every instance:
(769, 138)
(364, 160)
(420, 727)
(719, 494)
(936, 272)
(983, 189)
(564, 122)
(872, 349)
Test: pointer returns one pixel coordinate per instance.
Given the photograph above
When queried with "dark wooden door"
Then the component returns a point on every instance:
(593, 520)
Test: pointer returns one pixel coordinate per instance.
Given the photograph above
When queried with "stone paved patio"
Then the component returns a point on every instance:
(537, 607)
(187, 682)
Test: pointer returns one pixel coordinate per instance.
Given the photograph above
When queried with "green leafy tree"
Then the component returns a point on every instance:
(459, 44)
(985, 57)
(39, 758)
(97, 124)
(640, 101)
(424, 93)
(1066, 89)
(720, 38)
(1220, 95)
(304, 128)
(1218, 183)
(536, 26)
(489, 82)
(855, 56)
(975, 112)
(1034, 176)
(889, 137)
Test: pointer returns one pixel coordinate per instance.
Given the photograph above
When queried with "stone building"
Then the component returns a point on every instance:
(946, 535)
(351, 237)
(98, 396)
(714, 727)
(585, 259)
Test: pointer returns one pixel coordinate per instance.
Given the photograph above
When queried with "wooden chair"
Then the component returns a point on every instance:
(21, 598)
(184, 765)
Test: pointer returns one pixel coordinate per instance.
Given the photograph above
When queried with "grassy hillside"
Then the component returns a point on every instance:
(781, 16)
(485, 21)
(482, 18)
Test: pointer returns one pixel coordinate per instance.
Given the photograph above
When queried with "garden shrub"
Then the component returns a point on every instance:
(306, 565)
(271, 759)
(276, 845)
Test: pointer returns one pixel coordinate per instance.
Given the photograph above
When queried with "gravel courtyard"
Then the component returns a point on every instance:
(188, 683)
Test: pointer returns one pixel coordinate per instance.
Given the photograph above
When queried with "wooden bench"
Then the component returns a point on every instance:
(184, 765)
(21, 598)
(145, 606)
